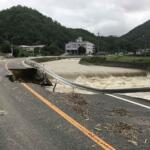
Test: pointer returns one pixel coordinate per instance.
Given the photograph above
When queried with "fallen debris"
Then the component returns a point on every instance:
(78, 104)
(2, 112)
(79, 110)
(133, 142)
(77, 99)
(145, 141)
(126, 130)
(98, 127)
(120, 111)
(123, 126)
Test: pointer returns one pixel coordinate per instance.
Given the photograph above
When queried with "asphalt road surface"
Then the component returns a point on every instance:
(32, 118)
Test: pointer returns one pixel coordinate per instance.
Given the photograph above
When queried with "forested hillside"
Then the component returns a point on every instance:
(22, 25)
(139, 36)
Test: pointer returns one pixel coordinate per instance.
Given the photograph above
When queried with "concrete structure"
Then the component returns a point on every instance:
(143, 52)
(73, 47)
(31, 48)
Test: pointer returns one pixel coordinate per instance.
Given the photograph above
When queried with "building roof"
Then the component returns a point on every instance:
(79, 41)
(31, 46)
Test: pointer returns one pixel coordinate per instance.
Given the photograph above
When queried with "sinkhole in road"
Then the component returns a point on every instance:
(29, 75)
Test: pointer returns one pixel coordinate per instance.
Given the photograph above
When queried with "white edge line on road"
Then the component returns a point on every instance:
(24, 64)
(6, 66)
(129, 101)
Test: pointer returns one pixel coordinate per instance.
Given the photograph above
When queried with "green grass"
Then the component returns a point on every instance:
(128, 59)
(92, 60)
(45, 59)
(125, 59)
(118, 61)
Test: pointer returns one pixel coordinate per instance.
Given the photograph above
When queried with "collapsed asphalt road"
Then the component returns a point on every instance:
(27, 122)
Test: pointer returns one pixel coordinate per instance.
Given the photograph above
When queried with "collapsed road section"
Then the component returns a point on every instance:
(29, 74)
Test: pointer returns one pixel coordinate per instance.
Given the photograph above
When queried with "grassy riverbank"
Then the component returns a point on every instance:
(118, 61)
(46, 59)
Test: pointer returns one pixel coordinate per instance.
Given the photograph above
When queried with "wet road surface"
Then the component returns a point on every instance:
(28, 123)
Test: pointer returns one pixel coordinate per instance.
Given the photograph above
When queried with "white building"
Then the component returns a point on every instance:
(73, 47)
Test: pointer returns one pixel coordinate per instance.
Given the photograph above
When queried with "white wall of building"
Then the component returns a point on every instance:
(74, 46)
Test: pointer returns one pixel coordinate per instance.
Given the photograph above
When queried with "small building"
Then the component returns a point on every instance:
(31, 48)
(101, 53)
(74, 47)
(143, 52)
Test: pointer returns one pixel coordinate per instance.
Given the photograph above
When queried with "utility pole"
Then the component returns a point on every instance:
(12, 49)
(98, 42)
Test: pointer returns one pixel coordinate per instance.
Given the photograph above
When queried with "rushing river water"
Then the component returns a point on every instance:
(115, 82)
(97, 76)
(110, 83)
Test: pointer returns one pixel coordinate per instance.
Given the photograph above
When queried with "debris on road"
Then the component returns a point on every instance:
(145, 141)
(126, 130)
(98, 127)
(133, 142)
(77, 99)
(120, 111)
(79, 104)
(2, 112)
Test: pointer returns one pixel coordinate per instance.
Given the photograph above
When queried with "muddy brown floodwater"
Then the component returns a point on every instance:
(99, 77)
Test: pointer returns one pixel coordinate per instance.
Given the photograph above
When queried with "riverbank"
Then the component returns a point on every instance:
(118, 61)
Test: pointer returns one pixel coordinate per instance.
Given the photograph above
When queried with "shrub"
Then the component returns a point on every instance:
(93, 60)
(5, 47)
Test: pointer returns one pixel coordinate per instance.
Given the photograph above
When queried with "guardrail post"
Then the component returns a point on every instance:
(73, 89)
(55, 86)
(43, 68)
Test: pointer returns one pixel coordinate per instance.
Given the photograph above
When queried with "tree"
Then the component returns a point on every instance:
(16, 51)
(82, 50)
(51, 49)
(5, 47)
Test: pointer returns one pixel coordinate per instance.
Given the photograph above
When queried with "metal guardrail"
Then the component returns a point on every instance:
(83, 87)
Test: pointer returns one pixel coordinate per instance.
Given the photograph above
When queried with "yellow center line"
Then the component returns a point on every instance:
(76, 124)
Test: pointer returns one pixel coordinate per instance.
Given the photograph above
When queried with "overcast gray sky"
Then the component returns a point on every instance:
(109, 17)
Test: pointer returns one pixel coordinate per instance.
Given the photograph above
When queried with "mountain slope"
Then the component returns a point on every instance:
(139, 36)
(23, 25)
(27, 26)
